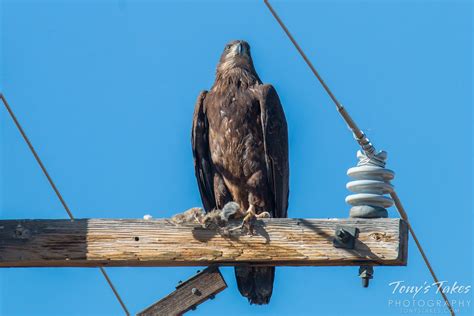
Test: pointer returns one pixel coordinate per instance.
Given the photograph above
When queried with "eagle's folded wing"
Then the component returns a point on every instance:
(202, 156)
(275, 134)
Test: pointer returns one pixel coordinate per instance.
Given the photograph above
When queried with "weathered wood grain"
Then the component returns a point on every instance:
(189, 294)
(160, 242)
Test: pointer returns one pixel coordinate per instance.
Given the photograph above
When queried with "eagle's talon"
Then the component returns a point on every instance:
(263, 215)
(249, 220)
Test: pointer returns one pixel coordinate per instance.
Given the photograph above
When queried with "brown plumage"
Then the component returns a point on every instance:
(240, 147)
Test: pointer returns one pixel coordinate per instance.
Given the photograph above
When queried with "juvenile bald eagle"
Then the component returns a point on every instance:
(240, 148)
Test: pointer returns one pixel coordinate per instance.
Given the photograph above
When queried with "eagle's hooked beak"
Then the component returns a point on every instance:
(239, 48)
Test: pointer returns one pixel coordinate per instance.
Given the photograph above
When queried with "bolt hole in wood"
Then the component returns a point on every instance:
(137, 238)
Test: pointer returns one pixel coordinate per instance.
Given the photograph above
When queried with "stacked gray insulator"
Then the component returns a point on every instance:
(372, 182)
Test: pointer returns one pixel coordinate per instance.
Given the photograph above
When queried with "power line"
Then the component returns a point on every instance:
(38, 159)
(117, 295)
(51, 182)
(366, 146)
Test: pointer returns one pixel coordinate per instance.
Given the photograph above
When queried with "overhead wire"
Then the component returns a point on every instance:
(366, 145)
(56, 190)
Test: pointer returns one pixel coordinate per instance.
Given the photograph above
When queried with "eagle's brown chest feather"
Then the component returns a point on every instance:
(236, 141)
(235, 135)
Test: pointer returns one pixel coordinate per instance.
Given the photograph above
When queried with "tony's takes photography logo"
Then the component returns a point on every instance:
(425, 298)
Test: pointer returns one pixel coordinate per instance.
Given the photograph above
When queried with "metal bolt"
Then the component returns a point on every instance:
(193, 308)
(343, 235)
(366, 273)
(21, 232)
(365, 282)
(198, 271)
(179, 284)
(195, 291)
(212, 296)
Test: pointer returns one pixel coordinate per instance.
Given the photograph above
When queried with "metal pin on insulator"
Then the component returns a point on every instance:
(370, 185)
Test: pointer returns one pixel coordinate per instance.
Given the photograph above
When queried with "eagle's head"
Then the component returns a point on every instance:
(236, 54)
(235, 68)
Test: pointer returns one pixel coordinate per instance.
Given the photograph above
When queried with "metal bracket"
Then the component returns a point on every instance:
(345, 237)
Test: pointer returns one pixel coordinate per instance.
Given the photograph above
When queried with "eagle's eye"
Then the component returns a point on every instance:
(227, 47)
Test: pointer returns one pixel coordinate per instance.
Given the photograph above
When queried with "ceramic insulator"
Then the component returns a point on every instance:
(371, 184)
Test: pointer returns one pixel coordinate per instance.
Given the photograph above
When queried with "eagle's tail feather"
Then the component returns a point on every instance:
(255, 283)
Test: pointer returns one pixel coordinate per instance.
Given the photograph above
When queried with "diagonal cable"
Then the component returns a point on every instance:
(51, 182)
(366, 146)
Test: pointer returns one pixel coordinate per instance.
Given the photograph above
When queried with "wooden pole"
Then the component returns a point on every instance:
(160, 242)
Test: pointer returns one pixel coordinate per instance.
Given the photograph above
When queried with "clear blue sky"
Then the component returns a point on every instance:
(106, 91)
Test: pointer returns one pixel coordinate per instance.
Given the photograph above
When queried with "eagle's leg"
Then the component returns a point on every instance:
(249, 217)
(247, 221)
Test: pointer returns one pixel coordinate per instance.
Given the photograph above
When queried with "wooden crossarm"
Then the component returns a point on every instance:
(160, 242)
(199, 288)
